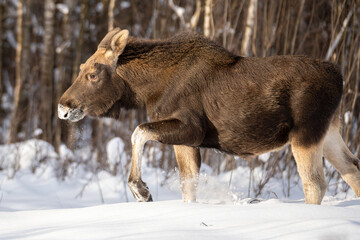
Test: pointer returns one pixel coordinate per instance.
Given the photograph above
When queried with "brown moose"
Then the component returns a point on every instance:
(197, 94)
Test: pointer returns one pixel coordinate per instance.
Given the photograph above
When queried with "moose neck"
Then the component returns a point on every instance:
(148, 66)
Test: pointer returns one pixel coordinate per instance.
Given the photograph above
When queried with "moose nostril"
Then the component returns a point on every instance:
(63, 112)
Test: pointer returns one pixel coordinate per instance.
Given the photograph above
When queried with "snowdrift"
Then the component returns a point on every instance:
(35, 204)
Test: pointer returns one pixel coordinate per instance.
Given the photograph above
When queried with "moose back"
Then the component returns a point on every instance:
(198, 94)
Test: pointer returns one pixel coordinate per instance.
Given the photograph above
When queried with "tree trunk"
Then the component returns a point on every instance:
(250, 21)
(207, 18)
(80, 40)
(47, 73)
(64, 66)
(18, 112)
(102, 28)
(76, 64)
(25, 69)
(302, 3)
(1, 63)
(195, 18)
(111, 15)
(98, 124)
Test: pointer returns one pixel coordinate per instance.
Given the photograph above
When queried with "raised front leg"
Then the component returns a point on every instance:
(172, 131)
(189, 161)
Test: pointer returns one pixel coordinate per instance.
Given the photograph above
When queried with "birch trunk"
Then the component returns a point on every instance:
(207, 18)
(195, 18)
(246, 41)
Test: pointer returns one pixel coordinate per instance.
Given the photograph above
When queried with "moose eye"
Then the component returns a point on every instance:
(92, 77)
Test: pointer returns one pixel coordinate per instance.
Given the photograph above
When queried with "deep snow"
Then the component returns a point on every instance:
(271, 219)
(34, 204)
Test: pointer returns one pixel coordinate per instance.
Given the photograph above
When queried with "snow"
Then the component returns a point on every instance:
(116, 157)
(271, 219)
(265, 156)
(63, 8)
(11, 39)
(124, 4)
(99, 7)
(347, 116)
(86, 204)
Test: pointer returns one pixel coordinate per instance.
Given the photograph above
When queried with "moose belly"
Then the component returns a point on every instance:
(249, 135)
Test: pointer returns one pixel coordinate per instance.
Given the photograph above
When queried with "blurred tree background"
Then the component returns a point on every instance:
(43, 43)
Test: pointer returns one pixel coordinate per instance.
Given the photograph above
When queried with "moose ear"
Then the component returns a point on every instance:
(119, 41)
(105, 42)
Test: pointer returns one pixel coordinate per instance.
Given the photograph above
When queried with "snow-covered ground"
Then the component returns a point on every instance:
(35, 204)
(271, 219)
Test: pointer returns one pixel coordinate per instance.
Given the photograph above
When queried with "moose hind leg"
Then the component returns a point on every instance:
(189, 161)
(338, 154)
(310, 168)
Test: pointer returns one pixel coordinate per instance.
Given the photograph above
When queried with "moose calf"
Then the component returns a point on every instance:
(197, 94)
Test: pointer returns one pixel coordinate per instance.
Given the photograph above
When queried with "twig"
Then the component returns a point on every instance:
(275, 195)
(230, 180)
(338, 37)
(203, 224)
(100, 191)
(79, 195)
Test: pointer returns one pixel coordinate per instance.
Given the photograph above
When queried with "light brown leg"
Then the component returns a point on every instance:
(338, 154)
(138, 188)
(310, 168)
(170, 131)
(189, 162)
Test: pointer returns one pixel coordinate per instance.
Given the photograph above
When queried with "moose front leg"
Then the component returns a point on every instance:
(174, 132)
(138, 188)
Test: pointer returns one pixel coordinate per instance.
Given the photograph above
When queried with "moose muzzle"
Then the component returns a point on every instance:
(72, 114)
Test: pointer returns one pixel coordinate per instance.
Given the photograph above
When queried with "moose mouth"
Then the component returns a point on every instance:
(72, 114)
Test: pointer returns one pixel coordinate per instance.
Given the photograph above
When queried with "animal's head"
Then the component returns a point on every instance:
(97, 87)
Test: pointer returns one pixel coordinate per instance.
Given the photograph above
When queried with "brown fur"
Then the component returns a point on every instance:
(198, 94)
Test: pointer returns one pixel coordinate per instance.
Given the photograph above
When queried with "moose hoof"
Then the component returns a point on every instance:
(140, 191)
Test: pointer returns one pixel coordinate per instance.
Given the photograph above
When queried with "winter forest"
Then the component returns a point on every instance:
(43, 43)
(63, 180)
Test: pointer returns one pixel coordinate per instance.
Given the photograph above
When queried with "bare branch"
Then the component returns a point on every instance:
(179, 11)
(338, 37)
